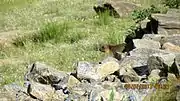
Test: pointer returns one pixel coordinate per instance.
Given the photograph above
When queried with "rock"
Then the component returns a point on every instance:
(123, 8)
(72, 81)
(171, 77)
(154, 76)
(171, 47)
(40, 72)
(109, 84)
(173, 12)
(13, 92)
(161, 62)
(170, 23)
(86, 70)
(111, 78)
(162, 31)
(126, 71)
(144, 43)
(116, 8)
(174, 39)
(146, 52)
(167, 22)
(106, 68)
(45, 92)
(178, 96)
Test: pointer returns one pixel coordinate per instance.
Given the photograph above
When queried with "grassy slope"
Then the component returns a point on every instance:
(84, 29)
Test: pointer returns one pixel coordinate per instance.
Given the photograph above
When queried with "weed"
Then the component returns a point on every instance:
(111, 97)
(104, 18)
(172, 3)
(51, 30)
(141, 14)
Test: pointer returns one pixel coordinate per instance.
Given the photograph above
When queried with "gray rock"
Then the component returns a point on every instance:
(178, 96)
(167, 22)
(123, 8)
(126, 70)
(40, 72)
(107, 67)
(173, 12)
(162, 31)
(45, 92)
(144, 43)
(174, 39)
(86, 70)
(162, 62)
(14, 92)
(146, 52)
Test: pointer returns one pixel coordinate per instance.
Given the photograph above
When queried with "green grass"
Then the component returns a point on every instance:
(64, 34)
(10, 4)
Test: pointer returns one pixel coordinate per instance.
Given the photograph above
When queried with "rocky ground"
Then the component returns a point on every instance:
(152, 67)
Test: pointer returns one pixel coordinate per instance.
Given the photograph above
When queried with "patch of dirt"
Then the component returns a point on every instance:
(6, 38)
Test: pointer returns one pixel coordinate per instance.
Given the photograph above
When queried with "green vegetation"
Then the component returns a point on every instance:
(57, 33)
(172, 3)
(141, 14)
(111, 97)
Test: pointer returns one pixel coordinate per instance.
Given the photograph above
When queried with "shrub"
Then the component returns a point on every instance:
(51, 30)
(104, 18)
(141, 14)
(172, 3)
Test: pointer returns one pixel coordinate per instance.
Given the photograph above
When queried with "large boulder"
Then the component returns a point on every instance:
(146, 52)
(44, 74)
(126, 72)
(173, 12)
(45, 92)
(161, 62)
(116, 8)
(174, 39)
(168, 22)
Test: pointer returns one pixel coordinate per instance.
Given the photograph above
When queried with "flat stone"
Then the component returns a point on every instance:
(144, 43)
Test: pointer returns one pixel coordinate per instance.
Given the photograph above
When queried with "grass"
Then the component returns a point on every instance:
(64, 34)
